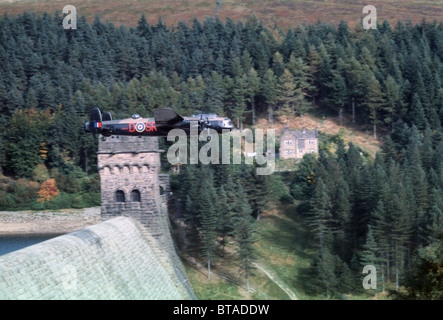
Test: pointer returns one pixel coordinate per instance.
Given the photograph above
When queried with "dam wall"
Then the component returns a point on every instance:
(131, 255)
(115, 259)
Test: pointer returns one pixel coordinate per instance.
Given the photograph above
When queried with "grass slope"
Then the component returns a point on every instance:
(327, 124)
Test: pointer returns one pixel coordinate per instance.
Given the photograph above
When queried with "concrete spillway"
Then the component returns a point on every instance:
(115, 259)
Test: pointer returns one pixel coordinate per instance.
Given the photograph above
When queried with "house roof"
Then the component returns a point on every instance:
(302, 134)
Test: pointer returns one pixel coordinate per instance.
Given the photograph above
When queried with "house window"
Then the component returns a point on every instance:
(300, 151)
(135, 196)
(301, 143)
(288, 142)
(311, 142)
(288, 152)
(120, 196)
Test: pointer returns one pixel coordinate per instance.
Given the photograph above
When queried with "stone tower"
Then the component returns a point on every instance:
(129, 170)
(131, 186)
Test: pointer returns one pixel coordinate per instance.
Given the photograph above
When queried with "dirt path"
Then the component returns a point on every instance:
(271, 277)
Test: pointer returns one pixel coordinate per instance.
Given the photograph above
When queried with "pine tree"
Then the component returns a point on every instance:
(259, 196)
(225, 227)
(343, 32)
(278, 65)
(369, 254)
(143, 28)
(269, 92)
(244, 235)
(417, 113)
(189, 198)
(373, 102)
(325, 75)
(209, 220)
(355, 76)
(346, 279)
(214, 94)
(388, 150)
(338, 95)
(342, 216)
(400, 232)
(381, 228)
(246, 62)
(14, 99)
(252, 88)
(320, 214)
(314, 66)
(435, 224)
(4, 110)
(287, 95)
(323, 269)
(239, 108)
(366, 197)
(393, 103)
(300, 70)
(31, 100)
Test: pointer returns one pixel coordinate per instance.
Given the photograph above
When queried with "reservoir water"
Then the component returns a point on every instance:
(13, 243)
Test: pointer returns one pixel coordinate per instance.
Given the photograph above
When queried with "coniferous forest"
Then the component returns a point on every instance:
(386, 212)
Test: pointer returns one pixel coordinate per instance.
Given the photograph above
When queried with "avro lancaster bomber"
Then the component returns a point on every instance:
(164, 121)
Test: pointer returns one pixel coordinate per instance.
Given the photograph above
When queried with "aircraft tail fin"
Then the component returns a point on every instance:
(167, 116)
(107, 116)
(95, 123)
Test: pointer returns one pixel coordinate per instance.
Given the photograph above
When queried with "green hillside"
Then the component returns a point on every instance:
(348, 207)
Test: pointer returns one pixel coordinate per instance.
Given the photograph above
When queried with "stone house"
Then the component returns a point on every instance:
(295, 144)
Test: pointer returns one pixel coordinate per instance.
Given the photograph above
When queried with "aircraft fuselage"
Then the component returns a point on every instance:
(137, 126)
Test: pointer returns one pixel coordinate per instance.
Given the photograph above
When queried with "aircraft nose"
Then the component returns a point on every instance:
(228, 124)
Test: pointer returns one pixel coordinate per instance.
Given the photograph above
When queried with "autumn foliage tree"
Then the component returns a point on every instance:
(48, 190)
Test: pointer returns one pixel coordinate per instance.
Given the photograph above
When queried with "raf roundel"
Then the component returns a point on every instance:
(140, 127)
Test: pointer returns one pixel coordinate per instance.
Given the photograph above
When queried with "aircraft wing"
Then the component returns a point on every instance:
(166, 116)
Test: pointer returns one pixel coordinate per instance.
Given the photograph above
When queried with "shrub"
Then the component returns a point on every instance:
(67, 183)
(41, 173)
(62, 201)
(78, 202)
(24, 192)
(6, 200)
(92, 199)
(286, 199)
